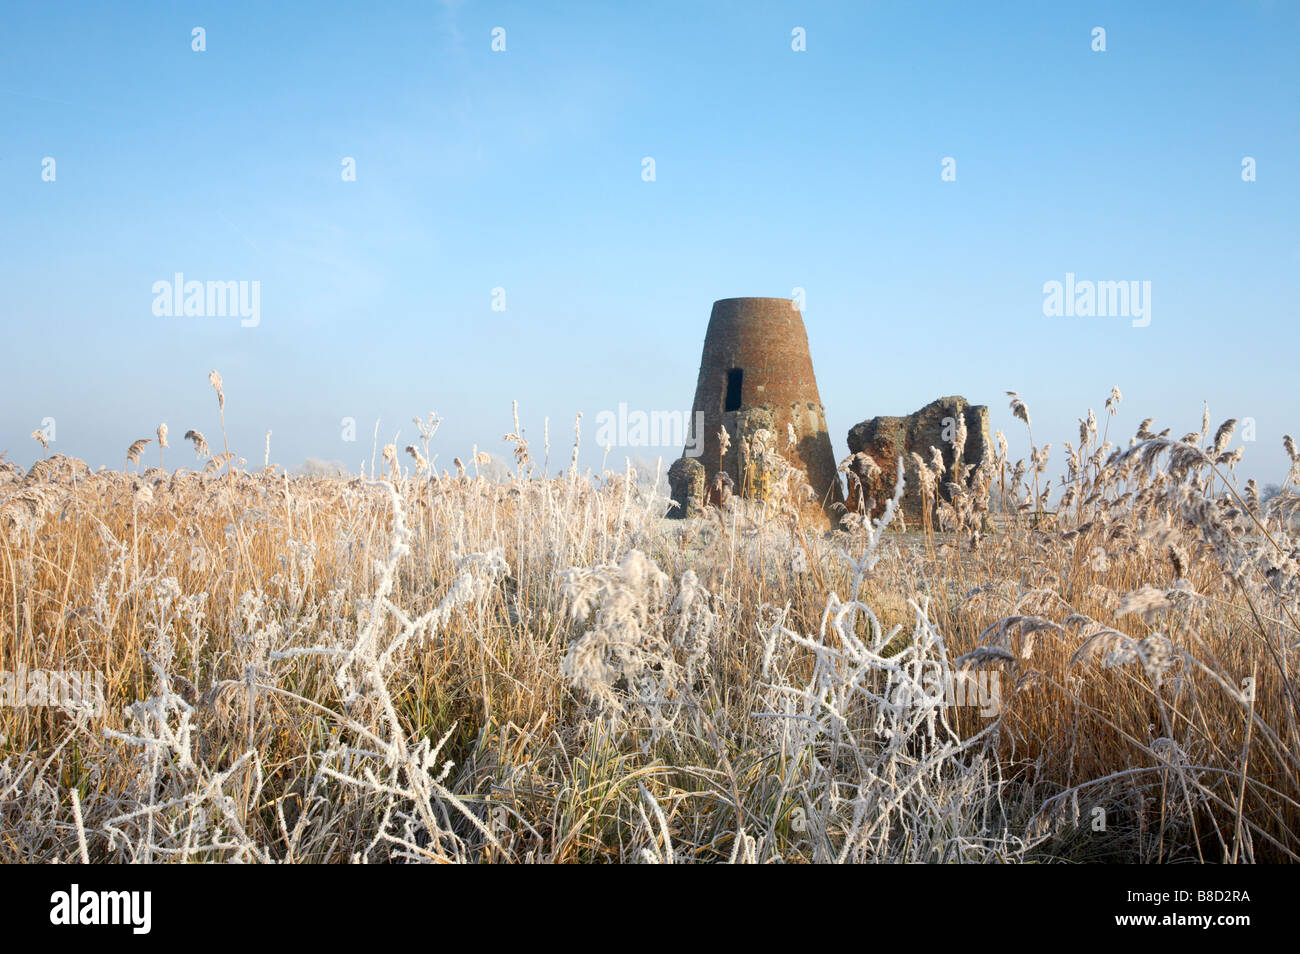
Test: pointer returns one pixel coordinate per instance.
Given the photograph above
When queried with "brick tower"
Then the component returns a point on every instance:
(756, 372)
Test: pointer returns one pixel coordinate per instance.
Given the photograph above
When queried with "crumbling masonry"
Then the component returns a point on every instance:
(877, 445)
(756, 374)
(757, 383)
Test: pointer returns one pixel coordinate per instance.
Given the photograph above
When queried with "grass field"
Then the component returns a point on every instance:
(442, 667)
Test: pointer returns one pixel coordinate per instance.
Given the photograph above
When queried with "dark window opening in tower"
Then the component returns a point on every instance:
(735, 378)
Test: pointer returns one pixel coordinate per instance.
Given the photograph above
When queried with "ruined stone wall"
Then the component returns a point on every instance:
(882, 440)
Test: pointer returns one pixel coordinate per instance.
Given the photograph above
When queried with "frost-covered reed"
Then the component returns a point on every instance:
(433, 667)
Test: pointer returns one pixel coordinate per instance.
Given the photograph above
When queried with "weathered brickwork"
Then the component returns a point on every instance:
(764, 339)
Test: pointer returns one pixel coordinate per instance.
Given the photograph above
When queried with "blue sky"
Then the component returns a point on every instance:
(522, 169)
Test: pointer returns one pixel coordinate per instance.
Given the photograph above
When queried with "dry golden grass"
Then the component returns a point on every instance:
(425, 667)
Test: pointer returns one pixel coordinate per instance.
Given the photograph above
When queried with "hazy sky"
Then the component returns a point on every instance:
(775, 169)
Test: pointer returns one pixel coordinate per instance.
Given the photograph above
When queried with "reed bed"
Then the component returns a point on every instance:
(423, 666)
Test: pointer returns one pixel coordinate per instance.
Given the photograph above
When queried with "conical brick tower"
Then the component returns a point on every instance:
(756, 372)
